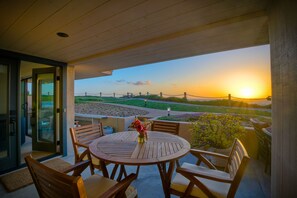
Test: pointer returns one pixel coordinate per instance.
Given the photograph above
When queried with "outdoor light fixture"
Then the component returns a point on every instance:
(168, 111)
(145, 102)
(62, 34)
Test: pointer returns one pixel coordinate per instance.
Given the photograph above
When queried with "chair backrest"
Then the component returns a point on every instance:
(258, 126)
(50, 183)
(237, 163)
(84, 135)
(168, 127)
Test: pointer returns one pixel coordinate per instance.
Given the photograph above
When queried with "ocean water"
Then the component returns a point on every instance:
(47, 104)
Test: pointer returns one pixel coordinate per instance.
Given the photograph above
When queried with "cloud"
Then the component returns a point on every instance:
(120, 81)
(137, 83)
(140, 83)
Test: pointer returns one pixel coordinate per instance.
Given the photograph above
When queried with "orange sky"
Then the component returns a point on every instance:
(242, 73)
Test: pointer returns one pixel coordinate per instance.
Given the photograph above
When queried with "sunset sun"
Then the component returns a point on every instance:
(247, 92)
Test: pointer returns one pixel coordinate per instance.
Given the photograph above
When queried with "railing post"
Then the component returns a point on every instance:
(114, 95)
(147, 93)
(229, 100)
(139, 93)
(100, 94)
(185, 95)
(86, 94)
(128, 94)
(161, 94)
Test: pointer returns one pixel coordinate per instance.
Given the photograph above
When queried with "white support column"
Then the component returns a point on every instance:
(68, 105)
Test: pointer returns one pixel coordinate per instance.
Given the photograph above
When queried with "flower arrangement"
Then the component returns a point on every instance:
(141, 128)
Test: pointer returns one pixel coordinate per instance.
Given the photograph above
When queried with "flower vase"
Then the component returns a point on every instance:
(141, 139)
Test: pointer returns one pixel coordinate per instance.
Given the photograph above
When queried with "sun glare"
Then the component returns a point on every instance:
(247, 92)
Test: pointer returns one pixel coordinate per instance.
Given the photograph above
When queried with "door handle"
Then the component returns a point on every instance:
(12, 128)
(33, 117)
(25, 106)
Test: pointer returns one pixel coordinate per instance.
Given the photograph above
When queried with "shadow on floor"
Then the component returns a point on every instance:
(255, 182)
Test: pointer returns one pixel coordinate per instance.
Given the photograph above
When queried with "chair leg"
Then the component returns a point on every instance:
(92, 169)
(268, 163)
(177, 163)
(124, 171)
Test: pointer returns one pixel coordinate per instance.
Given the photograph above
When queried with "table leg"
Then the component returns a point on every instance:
(137, 171)
(104, 169)
(122, 171)
(166, 176)
(114, 170)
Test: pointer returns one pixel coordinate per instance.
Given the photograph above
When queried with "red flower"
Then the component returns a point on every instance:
(141, 128)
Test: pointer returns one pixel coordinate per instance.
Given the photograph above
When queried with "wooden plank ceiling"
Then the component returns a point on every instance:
(110, 34)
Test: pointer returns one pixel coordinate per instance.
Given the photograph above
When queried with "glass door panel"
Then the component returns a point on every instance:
(29, 107)
(4, 141)
(8, 119)
(44, 110)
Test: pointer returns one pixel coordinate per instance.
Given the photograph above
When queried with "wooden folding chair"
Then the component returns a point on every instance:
(81, 137)
(193, 180)
(167, 127)
(51, 183)
(264, 142)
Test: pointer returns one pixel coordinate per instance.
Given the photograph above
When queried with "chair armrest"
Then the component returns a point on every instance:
(81, 145)
(196, 152)
(83, 154)
(119, 188)
(188, 173)
(201, 158)
(77, 168)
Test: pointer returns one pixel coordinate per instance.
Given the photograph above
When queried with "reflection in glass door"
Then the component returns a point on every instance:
(44, 130)
(45, 108)
(8, 121)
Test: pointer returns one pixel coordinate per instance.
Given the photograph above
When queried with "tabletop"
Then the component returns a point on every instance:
(123, 148)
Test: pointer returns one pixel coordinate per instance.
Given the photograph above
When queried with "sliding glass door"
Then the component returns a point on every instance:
(8, 114)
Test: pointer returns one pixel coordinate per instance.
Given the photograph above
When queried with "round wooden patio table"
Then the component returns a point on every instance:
(122, 148)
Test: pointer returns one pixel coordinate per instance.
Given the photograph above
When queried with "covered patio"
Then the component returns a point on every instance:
(79, 40)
